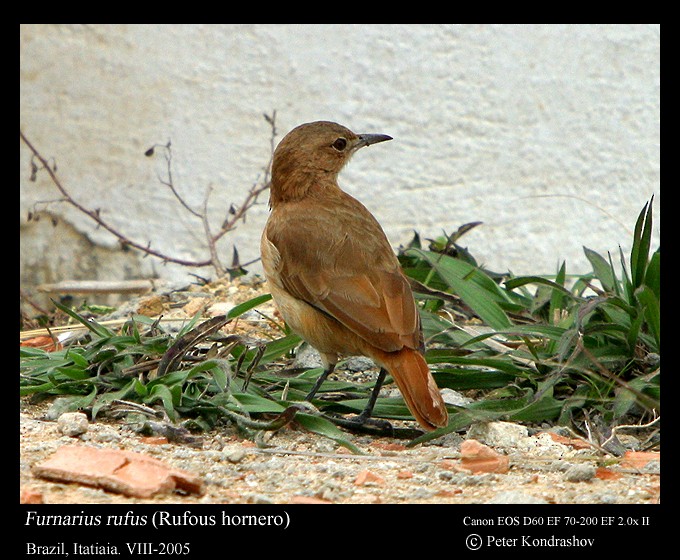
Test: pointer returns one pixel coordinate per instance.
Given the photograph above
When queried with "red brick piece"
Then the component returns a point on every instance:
(125, 472)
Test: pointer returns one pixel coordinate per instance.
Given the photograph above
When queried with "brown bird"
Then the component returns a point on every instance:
(333, 274)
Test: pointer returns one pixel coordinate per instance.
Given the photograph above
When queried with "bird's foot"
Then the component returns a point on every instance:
(364, 424)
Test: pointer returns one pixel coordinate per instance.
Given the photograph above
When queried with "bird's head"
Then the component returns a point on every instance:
(312, 152)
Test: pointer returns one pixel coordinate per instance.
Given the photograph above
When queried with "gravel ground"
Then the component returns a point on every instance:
(295, 466)
(298, 467)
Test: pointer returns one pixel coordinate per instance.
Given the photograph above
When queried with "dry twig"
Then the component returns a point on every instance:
(235, 213)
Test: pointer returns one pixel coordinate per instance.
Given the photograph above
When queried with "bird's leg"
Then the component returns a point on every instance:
(365, 415)
(328, 369)
(363, 421)
(368, 409)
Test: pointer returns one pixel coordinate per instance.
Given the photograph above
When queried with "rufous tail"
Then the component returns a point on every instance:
(416, 384)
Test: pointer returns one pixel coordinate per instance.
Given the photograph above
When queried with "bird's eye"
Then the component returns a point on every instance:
(340, 144)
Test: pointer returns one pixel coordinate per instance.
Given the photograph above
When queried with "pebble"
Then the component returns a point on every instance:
(454, 397)
(608, 498)
(356, 364)
(234, 454)
(72, 424)
(107, 436)
(515, 497)
(579, 473)
(307, 357)
(259, 499)
(498, 434)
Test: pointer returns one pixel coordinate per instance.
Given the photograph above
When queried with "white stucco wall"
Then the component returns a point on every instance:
(549, 134)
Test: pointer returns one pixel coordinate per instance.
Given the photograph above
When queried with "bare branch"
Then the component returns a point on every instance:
(235, 214)
(96, 217)
(255, 191)
(208, 235)
(169, 183)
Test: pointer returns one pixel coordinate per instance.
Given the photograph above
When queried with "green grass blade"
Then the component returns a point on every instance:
(652, 312)
(93, 326)
(248, 305)
(475, 288)
(325, 428)
(602, 269)
(653, 275)
(641, 243)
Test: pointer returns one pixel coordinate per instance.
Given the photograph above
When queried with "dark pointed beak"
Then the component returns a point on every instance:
(368, 139)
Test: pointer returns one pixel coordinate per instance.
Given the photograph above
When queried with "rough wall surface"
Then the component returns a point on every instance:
(549, 134)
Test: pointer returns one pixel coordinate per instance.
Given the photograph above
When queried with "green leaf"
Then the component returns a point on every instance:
(462, 379)
(92, 325)
(163, 393)
(652, 312)
(325, 428)
(107, 398)
(257, 404)
(476, 289)
(641, 243)
(513, 283)
(602, 269)
(248, 305)
(653, 275)
(78, 359)
(220, 370)
(280, 346)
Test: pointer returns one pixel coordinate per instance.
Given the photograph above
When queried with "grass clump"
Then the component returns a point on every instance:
(582, 351)
(570, 350)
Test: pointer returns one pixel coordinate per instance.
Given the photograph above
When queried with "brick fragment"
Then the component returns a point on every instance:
(124, 472)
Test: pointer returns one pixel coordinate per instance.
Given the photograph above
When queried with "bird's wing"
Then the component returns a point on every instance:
(343, 265)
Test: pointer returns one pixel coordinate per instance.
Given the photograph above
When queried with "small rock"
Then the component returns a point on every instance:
(356, 364)
(154, 440)
(151, 306)
(542, 444)
(454, 397)
(498, 434)
(608, 498)
(515, 497)
(220, 308)
(195, 305)
(421, 494)
(58, 407)
(638, 459)
(72, 424)
(259, 499)
(234, 454)
(325, 446)
(107, 436)
(307, 358)
(580, 473)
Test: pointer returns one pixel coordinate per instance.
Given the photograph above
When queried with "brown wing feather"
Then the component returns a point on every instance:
(352, 276)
